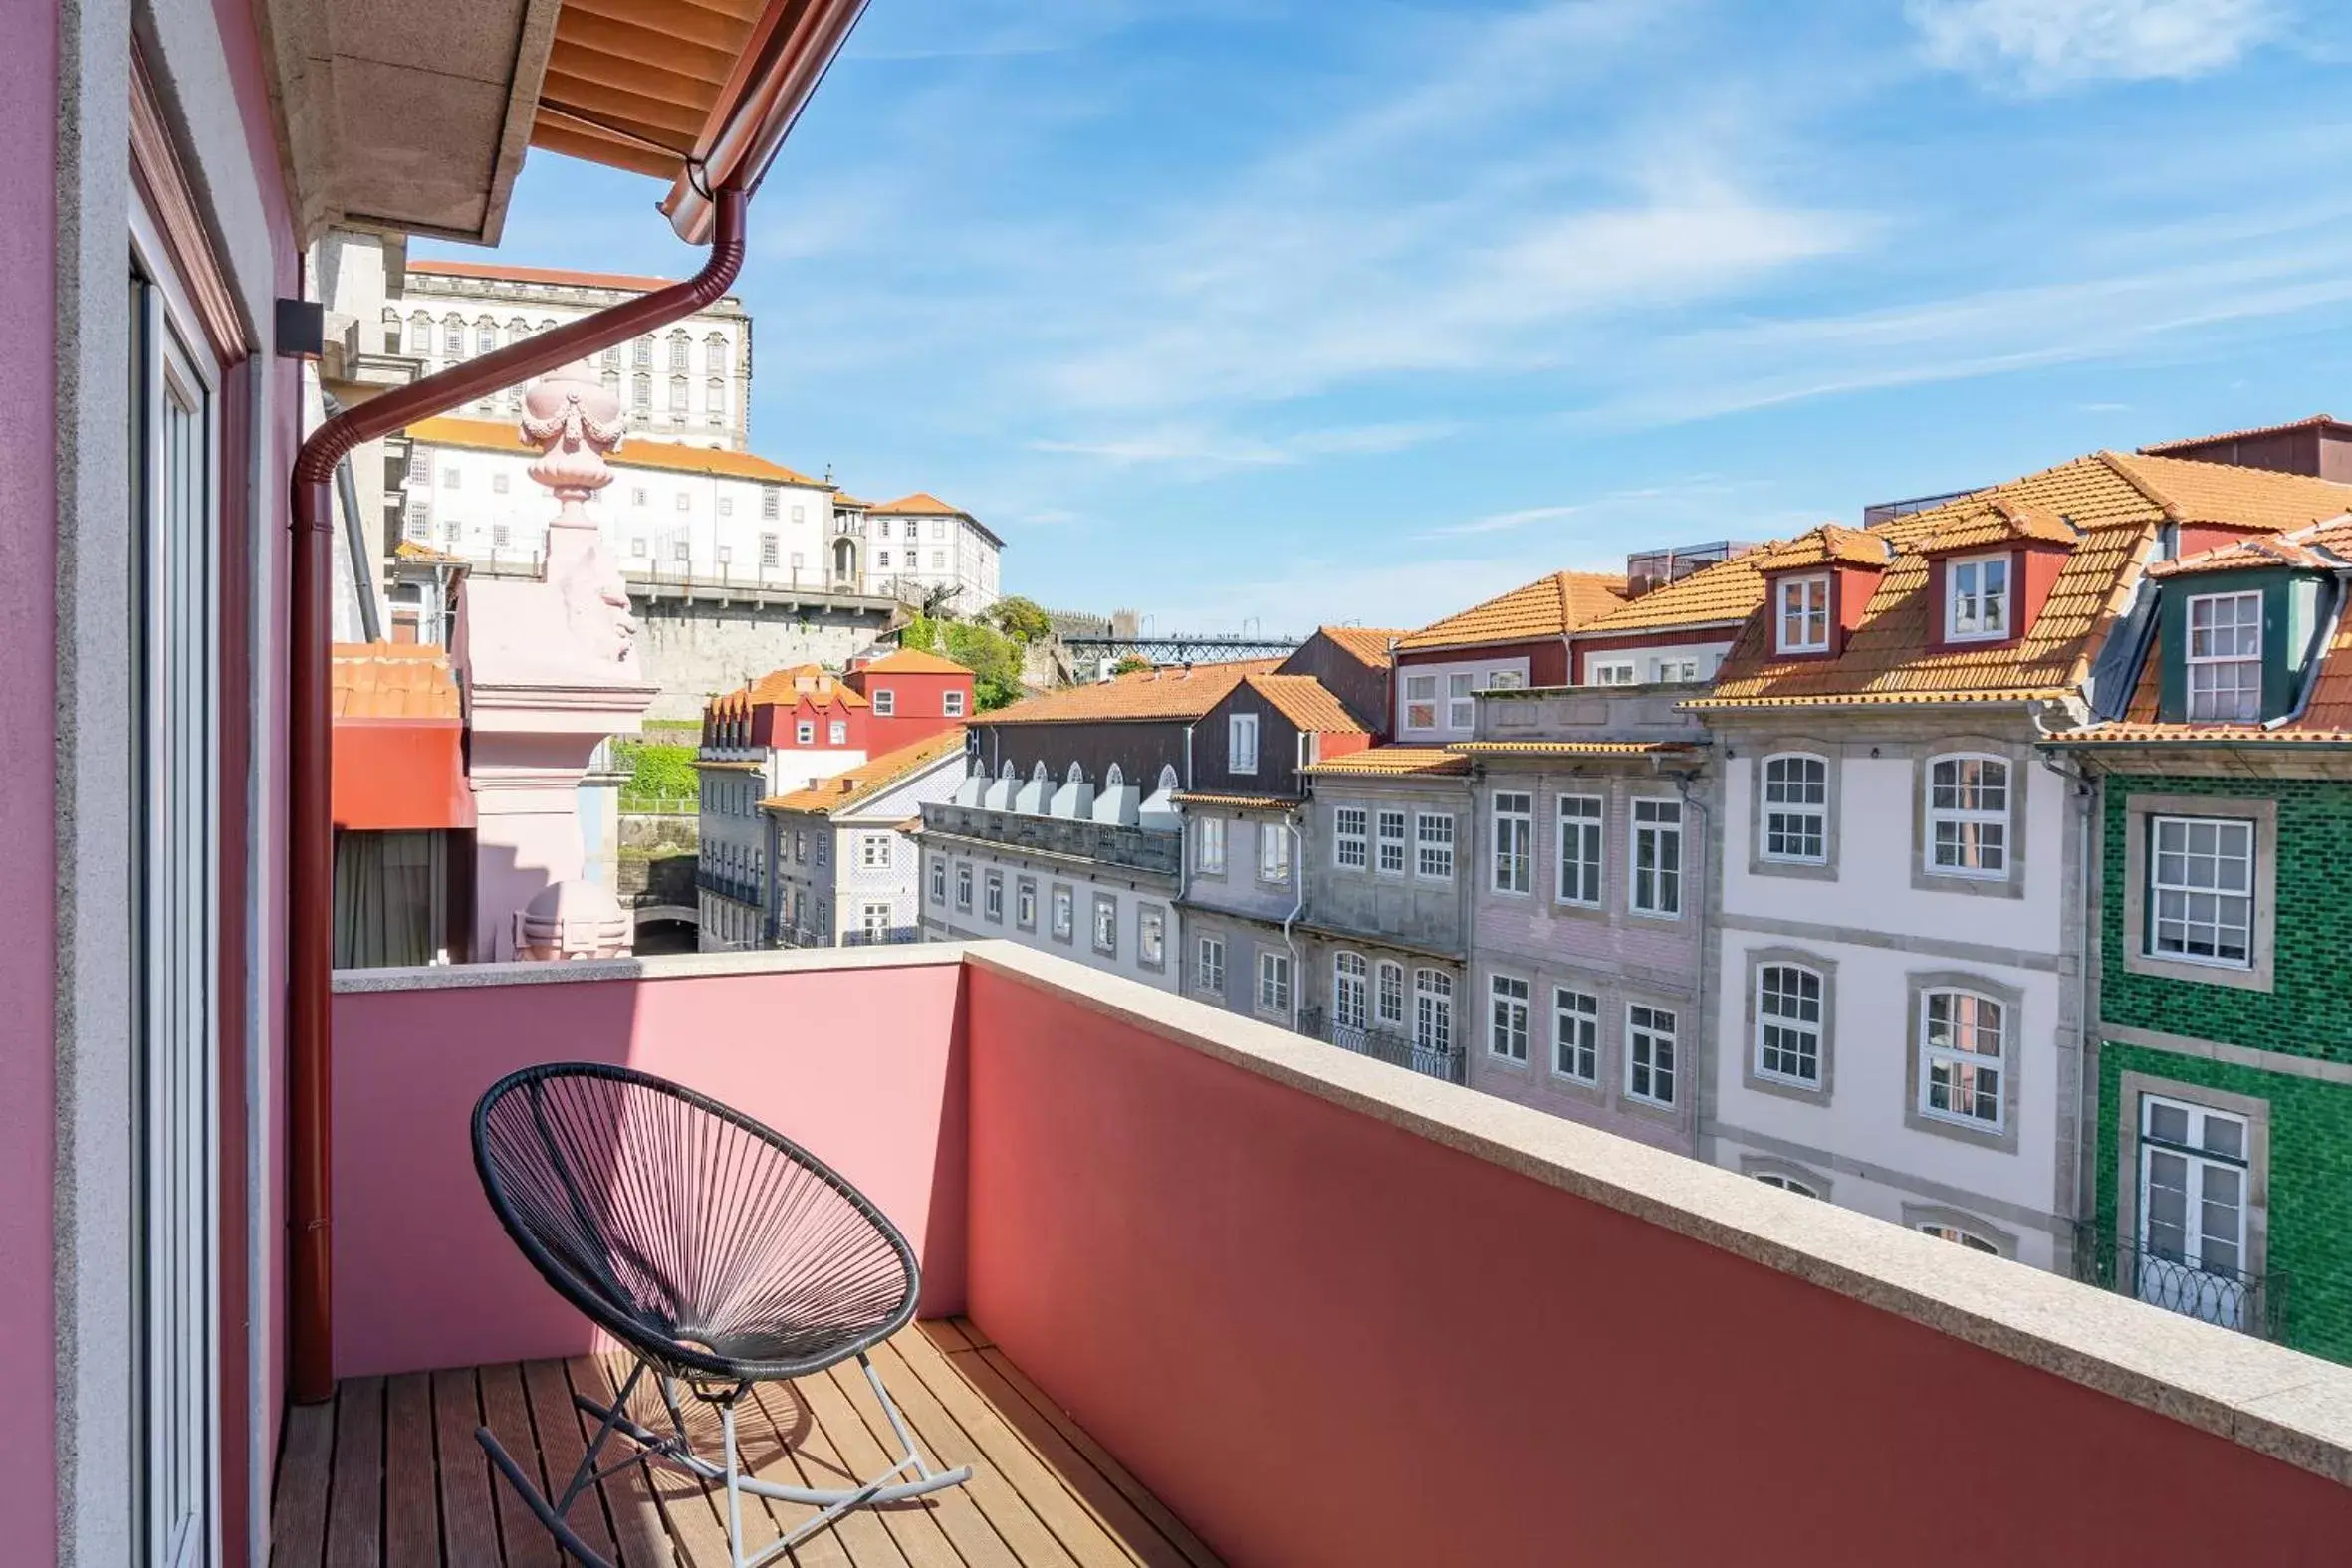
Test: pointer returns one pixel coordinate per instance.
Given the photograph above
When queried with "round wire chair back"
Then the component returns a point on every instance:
(715, 1247)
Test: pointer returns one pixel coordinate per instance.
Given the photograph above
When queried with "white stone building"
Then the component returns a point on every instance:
(673, 512)
(690, 382)
(844, 863)
(919, 547)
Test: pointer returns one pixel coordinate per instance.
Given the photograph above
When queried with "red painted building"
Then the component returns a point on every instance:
(805, 723)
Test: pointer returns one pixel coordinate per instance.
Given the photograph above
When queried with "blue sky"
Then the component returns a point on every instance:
(1288, 311)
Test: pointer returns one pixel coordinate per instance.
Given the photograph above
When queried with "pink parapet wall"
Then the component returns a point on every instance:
(862, 1065)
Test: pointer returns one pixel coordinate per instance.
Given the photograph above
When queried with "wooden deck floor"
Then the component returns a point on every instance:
(389, 1475)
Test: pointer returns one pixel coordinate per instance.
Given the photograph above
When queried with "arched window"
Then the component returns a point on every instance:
(713, 354)
(1962, 1058)
(1786, 1183)
(1790, 1028)
(1039, 774)
(1959, 1238)
(1967, 816)
(420, 333)
(641, 354)
(980, 768)
(1350, 991)
(1796, 808)
(1076, 775)
(1168, 779)
(1007, 772)
(1112, 779)
(1388, 996)
(1433, 1010)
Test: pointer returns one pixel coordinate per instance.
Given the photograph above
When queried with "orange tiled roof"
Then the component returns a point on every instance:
(842, 497)
(1729, 591)
(1571, 748)
(581, 280)
(787, 688)
(2116, 500)
(492, 435)
(2326, 717)
(413, 549)
(1248, 803)
(392, 680)
(921, 503)
(1393, 762)
(2321, 547)
(862, 784)
(1546, 608)
(2000, 522)
(1367, 645)
(917, 661)
(2165, 448)
(1306, 703)
(1820, 546)
(1164, 694)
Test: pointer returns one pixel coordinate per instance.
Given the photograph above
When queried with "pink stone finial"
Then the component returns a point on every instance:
(575, 422)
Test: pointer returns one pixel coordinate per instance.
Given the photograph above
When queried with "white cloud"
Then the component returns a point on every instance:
(1206, 452)
(2038, 46)
(1502, 522)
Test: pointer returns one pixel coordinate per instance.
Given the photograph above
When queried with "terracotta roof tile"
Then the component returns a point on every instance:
(917, 661)
(1306, 703)
(392, 680)
(845, 791)
(1393, 761)
(491, 435)
(1367, 645)
(2166, 448)
(2321, 546)
(1572, 748)
(842, 497)
(1162, 694)
(437, 267)
(2115, 499)
(412, 549)
(1550, 607)
(921, 503)
(787, 688)
(1831, 542)
(1250, 802)
(1729, 591)
(2000, 522)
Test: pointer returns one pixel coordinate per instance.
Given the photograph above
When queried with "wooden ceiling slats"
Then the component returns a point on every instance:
(629, 75)
(676, 123)
(610, 151)
(633, 40)
(685, 21)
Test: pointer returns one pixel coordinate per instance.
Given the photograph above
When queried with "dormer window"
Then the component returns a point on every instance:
(1801, 613)
(1977, 598)
(2224, 661)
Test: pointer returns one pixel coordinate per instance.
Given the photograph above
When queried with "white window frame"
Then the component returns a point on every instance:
(885, 701)
(2187, 891)
(1801, 602)
(938, 882)
(2209, 1178)
(951, 704)
(1647, 1027)
(1433, 1010)
(1351, 992)
(2209, 666)
(1397, 846)
(1655, 890)
(1106, 925)
(1977, 610)
(1964, 1075)
(1065, 911)
(837, 732)
(1580, 875)
(1389, 1008)
(1241, 743)
(1274, 981)
(1462, 700)
(1610, 672)
(1433, 846)
(1024, 903)
(1511, 867)
(1508, 998)
(805, 731)
(1789, 1046)
(1208, 965)
(964, 887)
(1420, 702)
(1208, 844)
(873, 851)
(1351, 839)
(1795, 809)
(1151, 936)
(1273, 853)
(991, 898)
(1981, 833)
(1575, 1035)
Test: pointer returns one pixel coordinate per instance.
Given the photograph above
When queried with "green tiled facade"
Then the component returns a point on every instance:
(2304, 1015)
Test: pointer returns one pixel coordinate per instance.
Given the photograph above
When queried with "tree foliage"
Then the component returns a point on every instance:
(1130, 664)
(1021, 620)
(993, 658)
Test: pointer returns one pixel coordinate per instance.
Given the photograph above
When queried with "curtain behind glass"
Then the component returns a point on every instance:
(392, 895)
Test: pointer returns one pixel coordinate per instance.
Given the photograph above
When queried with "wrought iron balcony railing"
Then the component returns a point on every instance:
(2253, 1304)
(1389, 1045)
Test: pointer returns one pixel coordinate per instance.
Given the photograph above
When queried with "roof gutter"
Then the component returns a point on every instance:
(787, 56)
(311, 834)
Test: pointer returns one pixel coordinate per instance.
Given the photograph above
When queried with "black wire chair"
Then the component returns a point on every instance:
(719, 1252)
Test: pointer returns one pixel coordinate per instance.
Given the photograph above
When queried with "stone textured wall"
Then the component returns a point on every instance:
(658, 855)
(696, 652)
(2310, 1191)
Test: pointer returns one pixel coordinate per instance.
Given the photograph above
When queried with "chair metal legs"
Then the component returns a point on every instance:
(675, 1451)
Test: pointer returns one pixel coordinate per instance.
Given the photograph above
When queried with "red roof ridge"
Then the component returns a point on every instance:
(641, 284)
(2171, 448)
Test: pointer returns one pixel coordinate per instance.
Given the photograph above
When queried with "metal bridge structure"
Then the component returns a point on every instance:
(1205, 648)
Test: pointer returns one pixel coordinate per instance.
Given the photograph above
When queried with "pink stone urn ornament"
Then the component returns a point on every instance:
(574, 421)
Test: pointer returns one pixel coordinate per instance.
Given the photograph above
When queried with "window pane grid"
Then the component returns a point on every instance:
(1796, 808)
(2224, 659)
(1969, 815)
(1507, 1034)
(1576, 1036)
(2202, 890)
(1788, 1024)
(1514, 843)
(1581, 830)
(1961, 1043)
(1657, 858)
(1649, 1055)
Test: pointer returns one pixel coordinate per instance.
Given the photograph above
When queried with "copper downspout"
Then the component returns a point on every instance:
(310, 871)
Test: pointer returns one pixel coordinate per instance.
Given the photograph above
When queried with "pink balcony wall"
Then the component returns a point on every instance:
(862, 1065)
